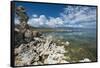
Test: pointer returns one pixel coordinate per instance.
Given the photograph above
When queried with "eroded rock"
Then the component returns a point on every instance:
(40, 51)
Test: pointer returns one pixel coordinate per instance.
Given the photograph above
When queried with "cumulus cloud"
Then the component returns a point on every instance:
(55, 22)
(42, 20)
(34, 15)
(37, 21)
(72, 16)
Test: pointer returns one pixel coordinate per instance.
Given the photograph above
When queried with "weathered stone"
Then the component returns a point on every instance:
(28, 35)
(40, 53)
(21, 12)
(36, 34)
(85, 60)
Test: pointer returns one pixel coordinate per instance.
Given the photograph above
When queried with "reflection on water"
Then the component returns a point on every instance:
(83, 39)
(75, 36)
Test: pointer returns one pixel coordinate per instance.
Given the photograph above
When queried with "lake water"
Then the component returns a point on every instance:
(85, 38)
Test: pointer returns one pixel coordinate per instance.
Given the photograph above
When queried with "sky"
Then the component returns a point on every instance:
(59, 15)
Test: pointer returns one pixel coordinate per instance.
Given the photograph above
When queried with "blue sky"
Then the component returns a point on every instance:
(41, 9)
(53, 15)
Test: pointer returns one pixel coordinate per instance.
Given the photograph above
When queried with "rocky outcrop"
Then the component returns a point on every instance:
(40, 51)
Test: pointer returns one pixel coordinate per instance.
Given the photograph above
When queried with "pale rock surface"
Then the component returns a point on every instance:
(85, 60)
(39, 51)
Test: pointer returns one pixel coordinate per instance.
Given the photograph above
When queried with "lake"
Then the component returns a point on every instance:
(78, 38)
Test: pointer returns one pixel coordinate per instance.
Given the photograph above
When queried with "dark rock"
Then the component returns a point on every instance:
(21, 13)
(36, 34)
(28, 35)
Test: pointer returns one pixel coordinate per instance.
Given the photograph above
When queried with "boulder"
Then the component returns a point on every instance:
(36, 34)
(28, 35)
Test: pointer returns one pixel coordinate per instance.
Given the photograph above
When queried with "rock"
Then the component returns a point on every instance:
(62, 43)
(67, 43)
(16, 30)
(23, 26)
(39, 39)
(36, 58)
(85, 60)
(21, 13)
(58, 40)
(19, 49)
(60, 49)
(63, 61)
(46, 45)
(36, 34)
(28, 35)
(35, 63)
(40, 52)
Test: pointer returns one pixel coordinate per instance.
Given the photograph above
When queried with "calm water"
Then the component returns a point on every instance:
(82, 38)
(77, 36)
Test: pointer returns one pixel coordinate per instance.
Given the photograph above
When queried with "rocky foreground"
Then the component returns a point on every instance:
(41, 50)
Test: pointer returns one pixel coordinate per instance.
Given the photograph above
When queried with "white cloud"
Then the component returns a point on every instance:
(33, 22)
(34, 15)
(54, 22)
(37, 21)
(16, 21)
(79, 16)
(42, 20)
(59, 21)
(72, 16)
(83, 18)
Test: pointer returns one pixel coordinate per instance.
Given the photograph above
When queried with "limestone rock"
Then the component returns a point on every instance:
(28, 35)
(36, 34)
(40, 51)
(85, 60)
